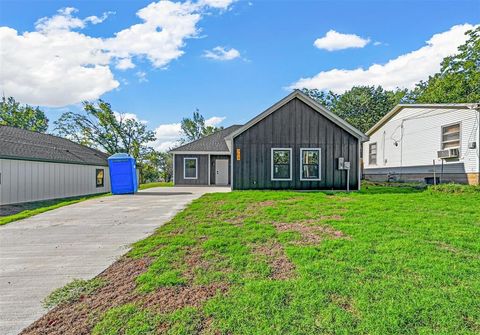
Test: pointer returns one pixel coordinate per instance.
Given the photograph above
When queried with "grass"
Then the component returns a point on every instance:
(155, 184)
(72, 292)
(27, 210)
(386, 260)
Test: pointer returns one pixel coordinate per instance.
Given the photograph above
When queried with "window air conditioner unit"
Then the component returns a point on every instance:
(448, 153)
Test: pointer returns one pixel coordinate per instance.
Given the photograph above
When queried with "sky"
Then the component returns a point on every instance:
(160, 61)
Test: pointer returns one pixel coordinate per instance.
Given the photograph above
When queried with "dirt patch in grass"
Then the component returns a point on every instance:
(310, 233)
(78, 317)
(279, 263)
(169, 299)
(344, 302)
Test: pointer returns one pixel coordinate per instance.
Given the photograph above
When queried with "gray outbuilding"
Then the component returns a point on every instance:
(294, 144)
(36, 166)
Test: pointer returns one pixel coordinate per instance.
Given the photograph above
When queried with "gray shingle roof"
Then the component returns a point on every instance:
(214, 142)
(18, 143)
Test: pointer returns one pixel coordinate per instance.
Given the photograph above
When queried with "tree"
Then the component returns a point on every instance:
(361, 106)
(99, 127)
(166, 166)
(25, 117)
(195, 128)
(459, 76)
(157, 166)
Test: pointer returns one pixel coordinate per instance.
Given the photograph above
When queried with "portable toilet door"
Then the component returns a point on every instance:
(123, 174)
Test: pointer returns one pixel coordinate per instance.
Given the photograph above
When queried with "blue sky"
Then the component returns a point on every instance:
(71, 55)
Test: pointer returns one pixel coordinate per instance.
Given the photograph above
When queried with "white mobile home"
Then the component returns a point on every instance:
(425, 141)
(36, 166)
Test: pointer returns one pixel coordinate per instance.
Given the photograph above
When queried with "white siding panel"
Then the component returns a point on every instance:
(24, 181)
(417, 133)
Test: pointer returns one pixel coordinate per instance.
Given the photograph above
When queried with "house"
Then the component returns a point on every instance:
(426, 141)
(294, 144)
(36, 166)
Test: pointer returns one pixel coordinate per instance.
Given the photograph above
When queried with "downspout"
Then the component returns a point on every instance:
(476, 107)
(173, 167)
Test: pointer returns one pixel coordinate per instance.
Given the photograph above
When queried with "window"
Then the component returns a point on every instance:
(310, 164)
(190, 168)
(372, 154)
(451, 136)
(100, 176)
(281, 164)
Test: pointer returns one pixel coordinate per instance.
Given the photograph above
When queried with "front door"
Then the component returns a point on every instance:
(221, 172)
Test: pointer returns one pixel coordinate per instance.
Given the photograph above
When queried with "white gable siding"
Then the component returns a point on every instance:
(418, 134)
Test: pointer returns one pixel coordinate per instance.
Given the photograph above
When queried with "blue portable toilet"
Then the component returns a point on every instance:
(123, 173)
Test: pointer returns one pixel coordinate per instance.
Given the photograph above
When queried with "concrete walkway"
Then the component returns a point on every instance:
(44, 252)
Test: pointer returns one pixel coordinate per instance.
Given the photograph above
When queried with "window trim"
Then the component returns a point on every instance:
(96, 178)
(272, 165)
(319, 164)
(369, 153)
(459, 135)
(196, 167)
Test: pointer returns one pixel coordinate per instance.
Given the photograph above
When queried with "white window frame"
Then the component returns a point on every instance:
(196, 167)
(442, 142)
(319, 164)
(376, 153)
(271, 164)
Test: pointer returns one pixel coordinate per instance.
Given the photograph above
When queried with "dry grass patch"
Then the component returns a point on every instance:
(281, 267)
(310, 232)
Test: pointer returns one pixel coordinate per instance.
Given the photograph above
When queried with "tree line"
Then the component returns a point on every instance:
(362, 106)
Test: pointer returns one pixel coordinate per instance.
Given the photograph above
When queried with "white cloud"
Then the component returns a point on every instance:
(214, 121)
(220, 4)
(126, 116)
(221, 53)
(169, 135)
(404, 71)
(56, 65)
(337, 41)
(142, 76)
(124, 64)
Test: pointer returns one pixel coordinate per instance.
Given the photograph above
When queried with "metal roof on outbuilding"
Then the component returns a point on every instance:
(16, 143)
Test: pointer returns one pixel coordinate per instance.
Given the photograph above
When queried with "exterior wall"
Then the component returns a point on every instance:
(24, 181)
(202, 170)
(213, 158)
(417, 148)
(294, 125)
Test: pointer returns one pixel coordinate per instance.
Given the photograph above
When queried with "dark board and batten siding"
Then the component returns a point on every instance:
(202, 170)
(294, 125)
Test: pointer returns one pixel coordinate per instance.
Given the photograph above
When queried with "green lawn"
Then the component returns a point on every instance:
(386, 260)
(25, 210)
(155, 184)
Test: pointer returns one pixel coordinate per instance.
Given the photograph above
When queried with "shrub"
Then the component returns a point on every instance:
(454, 189)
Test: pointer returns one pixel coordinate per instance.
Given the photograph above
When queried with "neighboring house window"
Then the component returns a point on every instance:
(451, 136)
(372, 154)
(310, 164)
(190, 168)
(100, 176)
(281, 164)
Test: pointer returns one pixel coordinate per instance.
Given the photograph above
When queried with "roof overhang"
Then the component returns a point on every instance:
(310, 102)
(399, 107)
(200, 152)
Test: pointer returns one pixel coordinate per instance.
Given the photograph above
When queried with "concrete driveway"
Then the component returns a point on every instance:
(44, 252)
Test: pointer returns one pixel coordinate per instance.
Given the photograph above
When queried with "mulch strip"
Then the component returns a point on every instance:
(76, 317)
(80, 316)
